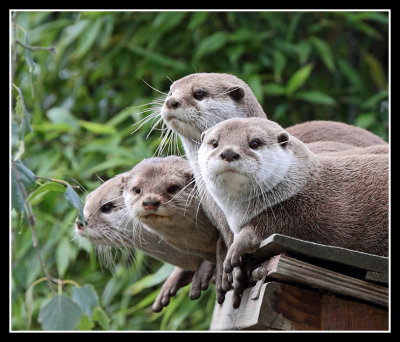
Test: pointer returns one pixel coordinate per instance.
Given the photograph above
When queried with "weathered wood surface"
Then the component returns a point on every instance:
(277, 243)
(286, 307)
(286, 268)
(353, 275)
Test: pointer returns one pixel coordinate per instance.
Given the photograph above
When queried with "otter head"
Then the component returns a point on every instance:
(238, 156)
(199, 101)
(157, 189)
(107, 221)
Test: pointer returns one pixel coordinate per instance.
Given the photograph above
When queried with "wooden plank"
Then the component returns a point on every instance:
(342, 314)
(279, 307)
(287, 307)
(290, 269)
(277, 243)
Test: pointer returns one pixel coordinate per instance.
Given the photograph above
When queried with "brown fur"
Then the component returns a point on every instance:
(334, 200)
(118, 229)
(232, 98)
(321, 130)
(182, 222)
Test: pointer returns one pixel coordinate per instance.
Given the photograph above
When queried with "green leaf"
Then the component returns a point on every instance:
(97, 128)
(374, 100)
(85, 323)
(316, 97)
(298, 78)
(64, 254)
(255, 85)
(211, 44)
(165, 21)
(365, 120)
(23, 113)
(59, 115)
(197, 19)
(88, 38)
(351, 74)
(28, 55)
(156, 57)
(101, 317)
(279, 63)
(86, 297)
(49, 186)
(324, 52)
(375, 69)
(274, 89)
(150, 280)
(60, 313)
(24, 175)
(74, 201)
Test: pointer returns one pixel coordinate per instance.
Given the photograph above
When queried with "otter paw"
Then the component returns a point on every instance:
(201, 279)
(176, 280)
(245, 243)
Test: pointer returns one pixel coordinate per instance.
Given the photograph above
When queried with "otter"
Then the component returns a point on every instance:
(334, 148)
(161, 194)
(108, 224)
(267, 181)
(322, 130)
(199, 101)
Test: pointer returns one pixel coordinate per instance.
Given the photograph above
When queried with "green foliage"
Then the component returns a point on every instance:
(82, 79)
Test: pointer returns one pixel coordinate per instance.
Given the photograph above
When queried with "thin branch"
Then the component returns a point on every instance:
(51, 49)
(14, 54)
(31, 221)
(59, 181)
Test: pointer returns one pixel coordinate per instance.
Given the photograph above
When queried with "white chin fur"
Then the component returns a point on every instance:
(179, 122)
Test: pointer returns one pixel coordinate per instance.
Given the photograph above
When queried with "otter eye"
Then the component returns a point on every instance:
(172, 189)
(254, 144)
(199, 94)
(214, 143)
(136, 190)
(105, 208)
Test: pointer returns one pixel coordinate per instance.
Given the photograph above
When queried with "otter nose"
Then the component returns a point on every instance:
(172, 103)
(151, 205)
(229, 156)
(79, 225)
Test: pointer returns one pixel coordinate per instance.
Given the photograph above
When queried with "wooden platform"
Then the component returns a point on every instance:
(302, 285)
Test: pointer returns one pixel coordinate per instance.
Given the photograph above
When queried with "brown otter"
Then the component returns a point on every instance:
(161, 194)
(199, 101)
(109, 225)
(267, 181)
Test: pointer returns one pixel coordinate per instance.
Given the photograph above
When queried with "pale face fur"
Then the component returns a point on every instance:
(199, 101)
(110, 225)
(243, 163)
(107, 220)
(159, 192)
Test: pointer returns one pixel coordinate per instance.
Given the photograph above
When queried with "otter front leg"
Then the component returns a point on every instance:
(222, 281)
(201, 279)
(178, 278)
(246, 242)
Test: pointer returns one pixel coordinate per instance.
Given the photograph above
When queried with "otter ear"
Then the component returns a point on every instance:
(202, 136)
(236, 92)
(283, 139)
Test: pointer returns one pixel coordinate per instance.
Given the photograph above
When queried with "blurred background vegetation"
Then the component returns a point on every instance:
(78, 79)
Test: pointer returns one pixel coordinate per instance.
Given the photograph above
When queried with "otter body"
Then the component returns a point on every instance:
(194, 104)
(267, 181)
(109, 224)
(161, 194)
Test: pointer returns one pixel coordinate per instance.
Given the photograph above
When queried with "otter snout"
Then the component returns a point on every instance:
(229, 155)
(172, 103)
(79, 225)
(151, 204)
